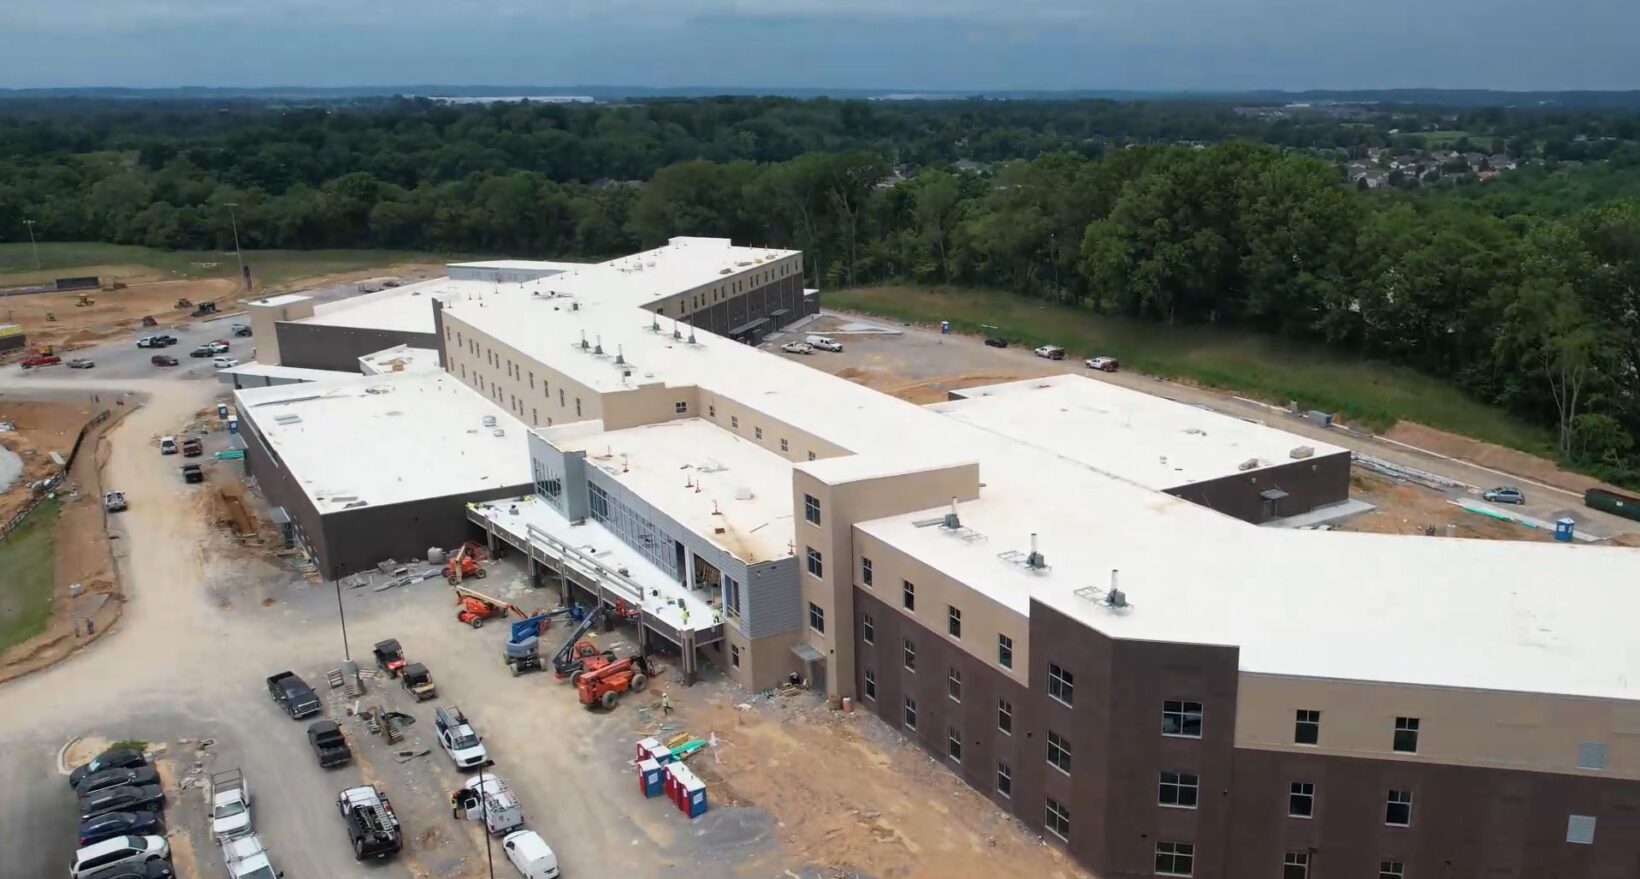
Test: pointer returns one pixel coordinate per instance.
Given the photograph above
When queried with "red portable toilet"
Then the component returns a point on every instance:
(694, 796)
(683, 781)
(649, 778)
(669, 781)
(646, 748)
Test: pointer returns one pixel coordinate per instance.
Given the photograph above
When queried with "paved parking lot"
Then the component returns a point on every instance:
(120, 358)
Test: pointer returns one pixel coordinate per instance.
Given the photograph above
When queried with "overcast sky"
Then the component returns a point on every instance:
(903, 44)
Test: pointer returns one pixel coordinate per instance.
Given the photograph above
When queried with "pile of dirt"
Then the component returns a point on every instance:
(927, 390)
(1496, 457)
(846, 792)
(55, 319)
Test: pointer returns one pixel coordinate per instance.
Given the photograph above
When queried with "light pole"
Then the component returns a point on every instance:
(233, 221)
(340, 613)
(484, 804)
(35, 245)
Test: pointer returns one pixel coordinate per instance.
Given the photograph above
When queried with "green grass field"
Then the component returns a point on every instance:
(1437, 139)
(27, 557)
(1257, 366)
(17, 264)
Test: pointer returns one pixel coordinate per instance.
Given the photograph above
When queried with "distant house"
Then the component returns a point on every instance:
(967, 166)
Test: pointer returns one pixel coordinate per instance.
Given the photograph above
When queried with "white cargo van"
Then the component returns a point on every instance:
(531, 855)
(486, 797)
(824, 343)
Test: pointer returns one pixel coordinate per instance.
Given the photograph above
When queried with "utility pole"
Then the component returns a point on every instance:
(233, 220)
(484, 804)
(35, 245)
(340, 613)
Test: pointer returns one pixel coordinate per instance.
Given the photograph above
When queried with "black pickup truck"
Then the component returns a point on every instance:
(371, 824)
(294, 695)
(329, 744)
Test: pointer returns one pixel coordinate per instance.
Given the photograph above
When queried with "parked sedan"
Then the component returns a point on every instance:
(121, 824)
(1505, 494)
(996, 342)
(159, 869)
(126, 798)
(81, 363)
(96, 781)
(223, 362)
(114, 758)
(204, 351)
(163, 360)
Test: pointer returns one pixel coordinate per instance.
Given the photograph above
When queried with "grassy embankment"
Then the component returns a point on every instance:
(118, 261)
(28, 557)
(1361, 392)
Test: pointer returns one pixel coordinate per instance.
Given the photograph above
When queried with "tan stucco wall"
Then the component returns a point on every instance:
(650, 404)
(263, 318)
(841, 506)
(727, 287)
(764, 662)
(1465, 727)
(536, 394)
(743, 420)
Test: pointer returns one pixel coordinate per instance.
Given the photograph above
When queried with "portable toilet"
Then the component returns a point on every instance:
(669, 782)
(694, 798)
(662, 755)
(1563, 529)
(649, 778)
(647, 747)
(678, 777)
(945, 328)
(222, 410)
(233, 423)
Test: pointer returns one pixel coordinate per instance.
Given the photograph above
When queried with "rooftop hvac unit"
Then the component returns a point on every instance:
(1301, 452)
(489, 421)
(743, 493)
(1249, 464)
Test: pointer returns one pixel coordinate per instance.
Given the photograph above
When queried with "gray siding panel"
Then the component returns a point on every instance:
(773, 602)
(319, 346)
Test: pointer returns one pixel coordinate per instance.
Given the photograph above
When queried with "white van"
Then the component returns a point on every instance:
(117, 851)
(486, 797)
(167, 445)
(531, 855)
(825, 343)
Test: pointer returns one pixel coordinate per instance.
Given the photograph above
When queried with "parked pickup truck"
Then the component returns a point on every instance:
(230, 799)
(329, 744)
(371, 824)
(192, 447)
(245, 858)
(457, 738)
(294, 695)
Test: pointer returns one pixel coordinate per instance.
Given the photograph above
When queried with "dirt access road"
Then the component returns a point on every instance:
(920, 365)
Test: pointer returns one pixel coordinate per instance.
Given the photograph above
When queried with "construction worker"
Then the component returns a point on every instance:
(666, 703)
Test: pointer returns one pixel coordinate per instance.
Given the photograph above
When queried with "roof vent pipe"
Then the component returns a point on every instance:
(951, 520)
(583, 340)
(620, 355)
(654, 323)
(692, 333)
(675, 333)
(598, 346)
(1035, 559)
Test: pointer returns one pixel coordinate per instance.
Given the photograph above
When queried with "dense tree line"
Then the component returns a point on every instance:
(1524, 291)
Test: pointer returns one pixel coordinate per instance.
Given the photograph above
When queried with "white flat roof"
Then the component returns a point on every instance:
(1193, 574)
(697, 472)
(1149, 440)
(526, 264)
(516, 515)
(285, 299)
(406, 309)
(400, 358)
(270, 370)
(376, 440)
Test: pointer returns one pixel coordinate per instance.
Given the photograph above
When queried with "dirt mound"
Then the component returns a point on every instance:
(1493, 456)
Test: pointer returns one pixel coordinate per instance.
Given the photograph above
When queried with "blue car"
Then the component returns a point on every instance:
(114, 824)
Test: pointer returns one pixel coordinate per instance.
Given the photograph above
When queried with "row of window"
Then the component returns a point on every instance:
(1179, 859)
(734, 424)
(1182, 790)
(908, 600)
(729, 290)
(1307, 731)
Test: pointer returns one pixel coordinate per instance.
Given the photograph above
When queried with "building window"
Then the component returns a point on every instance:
(711, 410)
(1005, 717)
(734, 655)
(953, 622)
(758, 432)
(577, 407)
(811, 509)
(785, 446)
(1175, 859)
(1591, 755)
(560, 398)
(1301, 800)
(910, 650)
(532, 381)
(1296, 866)
(816, 566)
(817, 618)
(1059, 684)
(868, 628)
(1306, 727)
(871, 685)
(910, 713)
(811, 456)
(734, 421)
(731, 596)
(1005, 779)
(1580, 829)
(1178, 790)
(680, 407)
(865, 571)
(1005, 651)
(953, 684)
(908, 595)
(1182, 719)
(535, 417)
(1406, 735)
(1398, 808)
(1059, 753)
(953, 745)
(1392, 870)
(1057, 818)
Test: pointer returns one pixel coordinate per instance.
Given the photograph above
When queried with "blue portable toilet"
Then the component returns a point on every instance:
(222, 410)
(652, 777)
(1563, 529)
(945, 328)
(694, 793)
(233, 424)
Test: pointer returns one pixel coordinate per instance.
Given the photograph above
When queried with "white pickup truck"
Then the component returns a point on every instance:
(230, 800)
(247, 859)
(458, 739)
